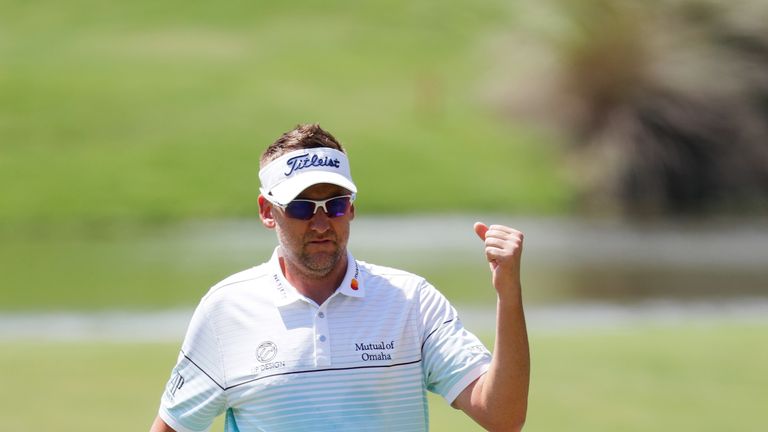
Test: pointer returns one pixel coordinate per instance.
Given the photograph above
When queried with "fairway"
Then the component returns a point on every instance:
(696, 378)
(134, 111)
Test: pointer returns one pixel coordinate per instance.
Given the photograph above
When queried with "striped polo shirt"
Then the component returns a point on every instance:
(273, 360)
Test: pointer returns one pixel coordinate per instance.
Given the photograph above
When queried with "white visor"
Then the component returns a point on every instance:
(287, 176)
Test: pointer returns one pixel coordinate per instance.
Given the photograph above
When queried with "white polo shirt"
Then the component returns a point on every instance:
(274, 360)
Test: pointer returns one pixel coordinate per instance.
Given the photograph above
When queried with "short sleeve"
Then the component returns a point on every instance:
(453, 356)
(195, 393)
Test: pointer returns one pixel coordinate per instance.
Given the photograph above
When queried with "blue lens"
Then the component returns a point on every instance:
(305, 209)
(337, 206)
(298, 209)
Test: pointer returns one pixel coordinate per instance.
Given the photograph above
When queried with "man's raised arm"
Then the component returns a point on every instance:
(498, 400)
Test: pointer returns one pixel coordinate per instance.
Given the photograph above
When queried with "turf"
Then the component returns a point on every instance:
(680, 378)
(139, 112)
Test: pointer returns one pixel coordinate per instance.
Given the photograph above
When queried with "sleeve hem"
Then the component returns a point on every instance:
(173, 423)
(466, 380)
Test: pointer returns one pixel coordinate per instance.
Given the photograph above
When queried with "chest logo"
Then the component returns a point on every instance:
(373, 351)
(266, 351)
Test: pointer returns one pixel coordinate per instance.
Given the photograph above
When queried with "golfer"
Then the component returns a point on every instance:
(317, 340)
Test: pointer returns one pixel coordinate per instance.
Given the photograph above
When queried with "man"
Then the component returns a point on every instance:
(317, 340)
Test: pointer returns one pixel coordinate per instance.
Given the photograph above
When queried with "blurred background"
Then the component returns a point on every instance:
(628, 140)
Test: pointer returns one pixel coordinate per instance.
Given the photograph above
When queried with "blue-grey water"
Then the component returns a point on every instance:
(579, 273)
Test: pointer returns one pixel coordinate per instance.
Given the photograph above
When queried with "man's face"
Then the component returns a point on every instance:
(317, 246)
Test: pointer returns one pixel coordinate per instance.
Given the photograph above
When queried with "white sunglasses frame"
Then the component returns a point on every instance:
(318, 204)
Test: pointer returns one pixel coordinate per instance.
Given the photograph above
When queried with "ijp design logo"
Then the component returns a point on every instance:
(265, 354)
(266, 351)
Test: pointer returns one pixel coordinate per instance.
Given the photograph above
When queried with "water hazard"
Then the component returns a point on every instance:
(585, 272)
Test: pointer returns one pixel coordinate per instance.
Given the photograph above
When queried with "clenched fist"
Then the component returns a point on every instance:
(503, 249)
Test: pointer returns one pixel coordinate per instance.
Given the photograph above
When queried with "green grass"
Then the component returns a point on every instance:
(134, 111)
(689, 378)
(681, 378)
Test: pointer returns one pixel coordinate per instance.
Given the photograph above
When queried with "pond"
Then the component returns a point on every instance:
(127, 283)
(564, 261)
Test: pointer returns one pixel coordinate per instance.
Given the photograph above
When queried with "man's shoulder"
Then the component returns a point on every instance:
(247, 278)
(391, 275)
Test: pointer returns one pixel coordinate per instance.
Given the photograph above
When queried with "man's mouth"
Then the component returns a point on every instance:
(321, 241)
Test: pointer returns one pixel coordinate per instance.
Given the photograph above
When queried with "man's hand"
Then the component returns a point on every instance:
(503, 249)
(498, 400)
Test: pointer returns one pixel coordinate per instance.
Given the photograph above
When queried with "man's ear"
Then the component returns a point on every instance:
(265, 212)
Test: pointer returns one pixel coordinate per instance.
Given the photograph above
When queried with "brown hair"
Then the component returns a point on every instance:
(303, 136)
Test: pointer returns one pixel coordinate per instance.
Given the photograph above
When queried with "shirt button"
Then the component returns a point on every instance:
(322, 338)
(321, 315)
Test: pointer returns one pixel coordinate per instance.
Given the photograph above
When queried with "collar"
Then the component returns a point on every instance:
(284, 293)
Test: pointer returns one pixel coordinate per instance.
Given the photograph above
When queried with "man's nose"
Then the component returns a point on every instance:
(320, 221)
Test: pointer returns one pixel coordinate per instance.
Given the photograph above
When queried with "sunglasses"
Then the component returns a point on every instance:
(305, 209)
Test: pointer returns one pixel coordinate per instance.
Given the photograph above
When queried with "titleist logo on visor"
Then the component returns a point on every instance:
(285, 177)
(300, 162)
